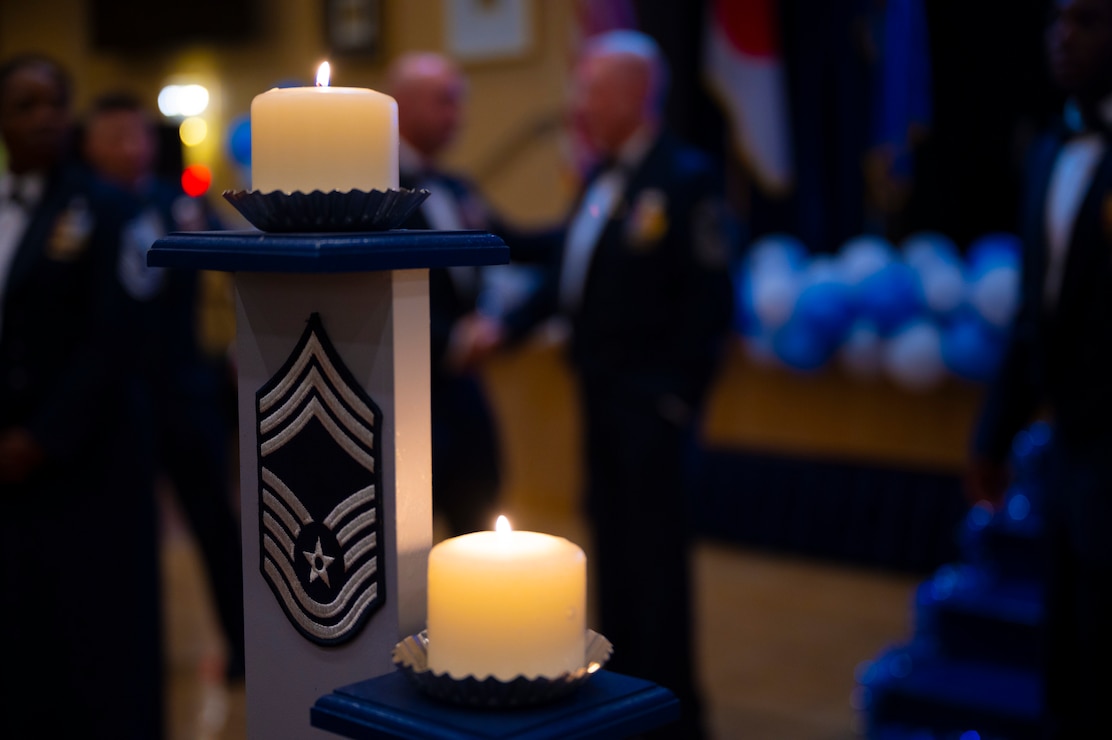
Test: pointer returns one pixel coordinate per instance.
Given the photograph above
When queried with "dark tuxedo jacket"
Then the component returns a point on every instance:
(448, 302)
(69, 341)
(81, 531)
(1058, 355)
(178, 363)
(465, 447)
(1059, 358)
(657, 300)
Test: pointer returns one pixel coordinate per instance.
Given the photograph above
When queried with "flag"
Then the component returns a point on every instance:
(743, 68)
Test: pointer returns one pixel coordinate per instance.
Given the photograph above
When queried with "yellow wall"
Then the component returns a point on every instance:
(508, 98)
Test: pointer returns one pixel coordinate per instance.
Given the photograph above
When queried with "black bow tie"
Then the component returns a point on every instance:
(1075, 123)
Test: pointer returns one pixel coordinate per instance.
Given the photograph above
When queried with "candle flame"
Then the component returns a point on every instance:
(502, 524)
(324, 72)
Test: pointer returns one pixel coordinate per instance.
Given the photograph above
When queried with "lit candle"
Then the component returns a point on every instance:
(324, 138)
(506, 604)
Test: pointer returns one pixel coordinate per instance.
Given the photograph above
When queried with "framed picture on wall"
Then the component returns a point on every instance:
(354, 27)
(488, 30)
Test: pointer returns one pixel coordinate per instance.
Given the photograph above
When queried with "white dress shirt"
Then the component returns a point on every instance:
(595, 211)
(1069, 182)
(18, 198)
(441, 210)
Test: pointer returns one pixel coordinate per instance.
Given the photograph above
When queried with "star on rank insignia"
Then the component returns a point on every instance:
(319, 481)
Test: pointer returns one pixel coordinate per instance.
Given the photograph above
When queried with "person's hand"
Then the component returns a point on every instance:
(474, 338)
(986, 482)
(20, 454)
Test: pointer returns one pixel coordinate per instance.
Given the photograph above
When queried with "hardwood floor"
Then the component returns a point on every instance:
(780, 642)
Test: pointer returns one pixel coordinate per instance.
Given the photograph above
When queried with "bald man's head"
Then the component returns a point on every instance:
(430, 90)
(619, 87)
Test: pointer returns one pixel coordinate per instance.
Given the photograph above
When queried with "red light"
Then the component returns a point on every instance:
(195, 180)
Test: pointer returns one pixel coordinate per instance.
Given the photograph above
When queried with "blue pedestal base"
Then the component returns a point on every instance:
(609, 705)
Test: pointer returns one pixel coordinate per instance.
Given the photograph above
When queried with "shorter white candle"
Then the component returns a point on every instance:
(507, 604)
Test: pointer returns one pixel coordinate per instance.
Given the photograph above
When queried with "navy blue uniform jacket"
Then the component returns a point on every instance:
(1060, 355)
(80, 589)
(657, 300)
(1059, 358)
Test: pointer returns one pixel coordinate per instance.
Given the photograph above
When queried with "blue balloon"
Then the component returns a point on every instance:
(862, 352)
(800, 348)
(890, 297)
(776, 251)
(239, 140)
(971, 350)
(864, 255)
(925, 247)
(826, 308)
(998, 249)
(746, 321)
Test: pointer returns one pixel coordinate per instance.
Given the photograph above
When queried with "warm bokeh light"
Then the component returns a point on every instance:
(324, 73)
(183, 100)
(193, 131)
(502, 524)
(195, 180)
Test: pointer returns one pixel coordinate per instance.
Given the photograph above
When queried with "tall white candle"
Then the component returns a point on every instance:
(324, 138)
(506, 604)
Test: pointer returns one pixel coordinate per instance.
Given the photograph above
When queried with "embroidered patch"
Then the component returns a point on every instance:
(648, 219)
(320, 527)
(139, 280)
(70, 235)
(188, 214)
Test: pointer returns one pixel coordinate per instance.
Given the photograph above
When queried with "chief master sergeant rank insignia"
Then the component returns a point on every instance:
(319, 481)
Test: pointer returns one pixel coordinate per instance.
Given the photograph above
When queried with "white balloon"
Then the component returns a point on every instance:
(913, 357)
(823, 268)
(776, 251)
(944, 288)
(863, 256)
(995, 295)
(774, 294)
(928, 248)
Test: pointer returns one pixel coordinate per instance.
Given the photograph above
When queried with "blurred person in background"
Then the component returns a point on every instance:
(119, 141)
(1059, 356)
(81, 597)
(430, 91)
(640, 271)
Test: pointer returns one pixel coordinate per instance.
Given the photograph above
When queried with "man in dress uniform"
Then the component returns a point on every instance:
(189, 387)
(430, 89)
(641, 273)
(1059, 356)
(81, 637)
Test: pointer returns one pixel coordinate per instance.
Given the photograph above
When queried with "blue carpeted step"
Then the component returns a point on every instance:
(910, 686)
(969, 614)
(1007, 543)
(903, 732)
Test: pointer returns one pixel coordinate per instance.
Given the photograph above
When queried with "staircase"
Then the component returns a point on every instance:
(971, 670)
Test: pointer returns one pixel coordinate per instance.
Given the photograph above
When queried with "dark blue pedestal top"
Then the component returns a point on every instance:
(256, 251)
(609, 705)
